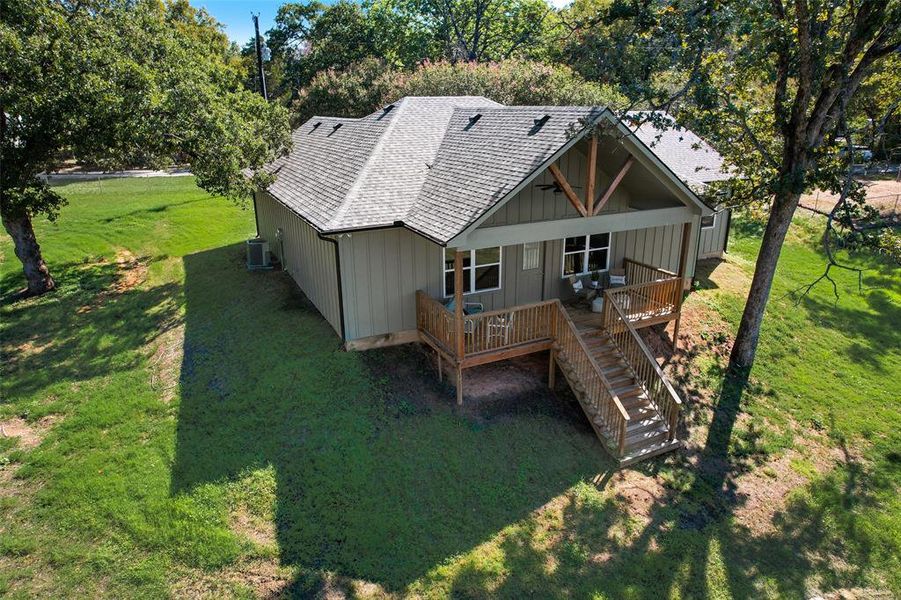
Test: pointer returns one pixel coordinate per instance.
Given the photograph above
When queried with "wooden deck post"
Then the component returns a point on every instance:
(683, 251)
(683, 266)
(458, 321)
(552, 363)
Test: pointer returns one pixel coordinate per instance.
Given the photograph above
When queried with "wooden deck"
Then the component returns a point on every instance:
(624, 394)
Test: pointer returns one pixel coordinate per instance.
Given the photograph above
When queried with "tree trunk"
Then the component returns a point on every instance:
(29, 252)
(745, 346)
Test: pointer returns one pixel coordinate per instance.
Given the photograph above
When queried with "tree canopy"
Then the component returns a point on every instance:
(120, 83)
(312, 37)
(371, 83)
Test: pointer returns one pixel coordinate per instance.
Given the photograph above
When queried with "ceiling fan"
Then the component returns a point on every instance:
(555, 187)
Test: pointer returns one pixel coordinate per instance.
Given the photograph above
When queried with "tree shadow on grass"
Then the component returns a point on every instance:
(372, 482)
(88, 327)
(375, 482)
(874, 329)
(690, 544)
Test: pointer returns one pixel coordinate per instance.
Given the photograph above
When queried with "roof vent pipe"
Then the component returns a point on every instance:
(472, 121)
(538, 124)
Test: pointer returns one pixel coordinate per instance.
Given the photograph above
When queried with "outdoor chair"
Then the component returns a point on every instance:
(617, 277)
(500, 328)
(469, 308)
(580, 292)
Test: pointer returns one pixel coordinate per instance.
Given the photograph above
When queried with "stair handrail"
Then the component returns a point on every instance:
(667, 386)
(619, 427)
(594, 363)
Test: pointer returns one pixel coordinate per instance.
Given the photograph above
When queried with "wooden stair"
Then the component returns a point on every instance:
(647, 434)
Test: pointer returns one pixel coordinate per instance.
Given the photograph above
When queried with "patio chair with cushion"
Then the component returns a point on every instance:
(469, 308)
(578, 288)
(617, 277)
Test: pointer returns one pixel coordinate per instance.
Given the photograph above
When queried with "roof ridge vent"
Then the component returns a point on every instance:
(473, 119)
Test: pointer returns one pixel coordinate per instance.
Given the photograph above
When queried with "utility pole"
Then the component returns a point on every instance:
(258, 46)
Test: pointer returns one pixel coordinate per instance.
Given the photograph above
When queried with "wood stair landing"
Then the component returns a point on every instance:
(647, 434)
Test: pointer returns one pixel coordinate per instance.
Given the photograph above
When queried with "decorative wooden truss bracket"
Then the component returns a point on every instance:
(591, 206)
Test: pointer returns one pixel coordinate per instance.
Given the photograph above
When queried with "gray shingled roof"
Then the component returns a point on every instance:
(367, 173)
(692, 159)
(425, 163)
(478, 165)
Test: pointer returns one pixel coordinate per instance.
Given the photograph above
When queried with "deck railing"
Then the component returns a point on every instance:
(487, 332)
(497, 333)
(643, 365)
(497, 330)
(646, 301)
(433, 319)
(639, 272)
(595, 387)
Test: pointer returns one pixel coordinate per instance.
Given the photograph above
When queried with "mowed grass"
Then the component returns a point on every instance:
(202, 433)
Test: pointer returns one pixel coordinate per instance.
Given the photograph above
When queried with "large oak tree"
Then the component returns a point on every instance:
(780, 107)
(119, 83)
(770, 82)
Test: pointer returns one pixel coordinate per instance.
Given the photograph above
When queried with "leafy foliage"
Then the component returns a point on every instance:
(483, 30)
(371, 83)
(311, 37)
(122, 83)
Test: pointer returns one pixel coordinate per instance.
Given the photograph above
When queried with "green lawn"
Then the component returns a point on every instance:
(201, 433)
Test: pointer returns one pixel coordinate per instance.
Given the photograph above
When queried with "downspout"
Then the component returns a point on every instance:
(256, 214)
(728, 229)
(334, 242)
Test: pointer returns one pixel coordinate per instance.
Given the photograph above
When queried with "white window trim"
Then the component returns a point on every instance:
(584, 253)
(472, 273)
(712, 225)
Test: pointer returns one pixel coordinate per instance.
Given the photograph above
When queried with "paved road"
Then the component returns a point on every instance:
(93, 175)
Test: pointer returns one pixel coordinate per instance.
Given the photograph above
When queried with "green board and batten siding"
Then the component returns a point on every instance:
(309, 259)
(538, 202)
(382, 269)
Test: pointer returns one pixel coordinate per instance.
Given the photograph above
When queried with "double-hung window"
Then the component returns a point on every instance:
(586, 254)
(481, 270)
